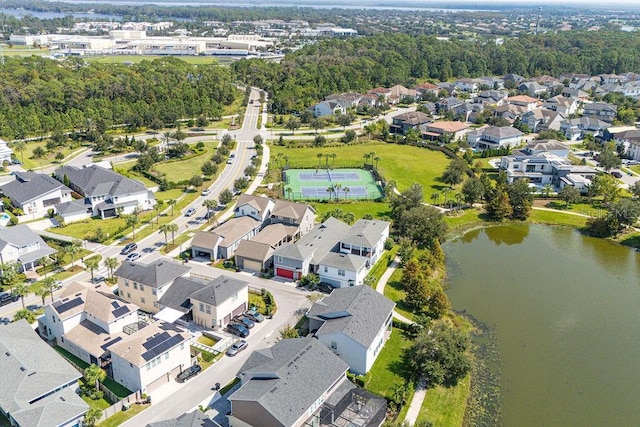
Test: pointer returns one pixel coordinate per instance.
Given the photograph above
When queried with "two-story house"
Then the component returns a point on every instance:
(328, 108)
(289, 213)
(19, 244)
(445, 131)
(412, 120)
(533, 89)
(105, 192)
(219, 301)
(144, 284)
(258, 208)
(35, 193)
(495, 137)
(300, 382)
(541, 119)
(354, 323)
(577, 128)
(562, 105)
(600, 110)
(222, 241)
(527, 102)
(5, 152)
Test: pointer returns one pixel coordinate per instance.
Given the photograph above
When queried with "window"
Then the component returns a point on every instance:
(155, 304)
(62, 339)
(53, 318)
(148, 366)
(340, 272)
(141, 287)
(128, 295)
(166, 355)
(326, 269)
(234, 297)
(201, 307)
(279, 258)
(182, 346)
(126, 283)
(142, 300)
(135, 285)
(208, 309)
(154, 291)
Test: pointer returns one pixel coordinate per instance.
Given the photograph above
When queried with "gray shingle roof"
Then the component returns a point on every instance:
(258, 202)
(300, 369)
(321, 240)
(191, 419)
(158, 273)
(29, 186)
(291, 210)
(31, 369)
(359, 312)
(73, 206)
(21, 236)
(344, 261)
(179, 293)
(96, 181)
(501, 131)
(365, 232)
(219, 290)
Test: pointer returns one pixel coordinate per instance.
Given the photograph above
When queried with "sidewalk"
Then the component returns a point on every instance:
(383, 282)
(416, 403)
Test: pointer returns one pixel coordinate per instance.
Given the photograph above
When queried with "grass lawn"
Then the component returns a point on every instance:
(210, 342)
(181, 170)
(358, 209)
(86, 228)
(256, 300)
(557, 218)
(123, 416)
(29, 162)
(630, 239)
(445, 406)
(582, 208)
(167, 195)
(389, 368)
(404, 164)
(383, 263)
(464, 219)
(229, 386)
(395, 292)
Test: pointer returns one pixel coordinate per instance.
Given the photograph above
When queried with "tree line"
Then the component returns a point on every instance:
(40, 95)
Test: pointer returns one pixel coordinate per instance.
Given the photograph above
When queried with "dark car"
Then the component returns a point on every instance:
(191, 371)
(616, 174)
(128, 249)
(238, 329)
(237, 347)
(254, 315)
(244, 321)
(7, 298)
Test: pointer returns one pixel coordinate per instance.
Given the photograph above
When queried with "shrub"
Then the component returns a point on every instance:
(13, 220)
(207, 357)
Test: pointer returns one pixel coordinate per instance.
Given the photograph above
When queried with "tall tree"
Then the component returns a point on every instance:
(22, 290)
(111, 263)
(91, 264)
(520, 198)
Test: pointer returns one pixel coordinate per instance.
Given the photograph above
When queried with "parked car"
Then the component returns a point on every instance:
(7, 298)
(231, 159)
(254, 315)
(133, 256)
(190, 212)
(57, 285)
(128, 249)
(206, 192)
(237, 347)
(16, 162)
(5, 321)
(238, 329)
(191, 371)
(616, 174)
(244, 321)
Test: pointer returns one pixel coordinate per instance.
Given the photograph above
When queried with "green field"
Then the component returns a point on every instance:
(358, 209)
(394, 290)
(445, 406)
(404, 164)
(389, 369)
(181, 170)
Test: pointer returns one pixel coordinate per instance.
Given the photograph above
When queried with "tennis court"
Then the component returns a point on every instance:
(325, 184)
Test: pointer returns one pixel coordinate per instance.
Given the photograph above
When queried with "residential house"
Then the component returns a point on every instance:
(629, 140)
(341, 270)
(528, 102)
(366, 238)
(328, 108)
(195, 418)
(495, 83)
(412, 120)
(512, 80)
(611, 78)
(381, 93)
(105, 192)
(73, 210)
(509, 112)
(546, 168)
(447, 104)
(257, 254)
(38, 385)
(467, 85)
(578, 94)
(300, 215)
(354, 323)
(348, 99)
(399, 92)
(299, 382)
(445, 131)
(19, 244)
(144, 284)
(541, 119)
(35, 193)
(495, 137)
(217, 301)
(550, 146)
(633, 147)
(5, 152)
(86, 320)
(369, 100)
(222, 241)
(448, 87)
(600, 110)
(549, 82)
(258, 208)
(577, 128)
(464, 111)
(630, 90)
(150, 357)
(533, 89)
(428, 108)
(427, 88)
(491, 97)
(562, 105)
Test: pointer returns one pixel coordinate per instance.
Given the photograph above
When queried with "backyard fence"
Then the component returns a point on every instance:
(117, 407)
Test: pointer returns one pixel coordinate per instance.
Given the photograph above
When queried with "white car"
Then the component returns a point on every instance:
(190, 212)
(206, 192)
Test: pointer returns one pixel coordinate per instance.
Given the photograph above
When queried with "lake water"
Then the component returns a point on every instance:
(565, 310)
(19, 13)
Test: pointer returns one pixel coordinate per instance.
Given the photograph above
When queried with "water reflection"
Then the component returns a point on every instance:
(508, 234)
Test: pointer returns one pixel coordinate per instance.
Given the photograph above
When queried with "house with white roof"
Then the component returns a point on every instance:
(495, 137)
(19, 244)
(577, 128)
(38, 385)
(35, 193)
(105, 192)
(328, 108)
(354, 323)
(300, 382)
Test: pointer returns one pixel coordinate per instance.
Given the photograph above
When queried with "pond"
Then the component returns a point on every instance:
(565, 311)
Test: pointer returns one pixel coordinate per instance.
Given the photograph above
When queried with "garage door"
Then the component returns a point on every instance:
(157, 383)
(252, 265)
(239, 309)
(283, 272)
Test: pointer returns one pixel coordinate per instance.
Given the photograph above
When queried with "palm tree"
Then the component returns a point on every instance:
(20, 146)
(93, 374)
(172, 203)
(111, 263)
(349, 217)
(376, 159)
(372, 155)
(22, 290)
(29, 316)
(91, 264)
(346, 192)
(73, 249)
(330, 190)
(319, 156)
(43, 292)
(132, 221)
(10, 274)
(546, 190)
(159, 205)
(47, 283)
(173, 228)
(289, 190)
(210, 204)
(459, 200)
(333, 158)
(435, 197)
(337, 188)
(326, 158)
(446, 191)
(366, 157)
(46, 263)
(164, 228)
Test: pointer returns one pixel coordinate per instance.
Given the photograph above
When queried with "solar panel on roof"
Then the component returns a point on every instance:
(120, 311)
(69, 305)
(115, 304)
(162, 347)
(155, 340)
(108, 344)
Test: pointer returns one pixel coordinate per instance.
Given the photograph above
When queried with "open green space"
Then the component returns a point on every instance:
(557, 218)
(381, 266)
(394, 290)
(210, 342)
(404, 164)
(445, 406)
(389, 370)
(358, 209)
(30, 162)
